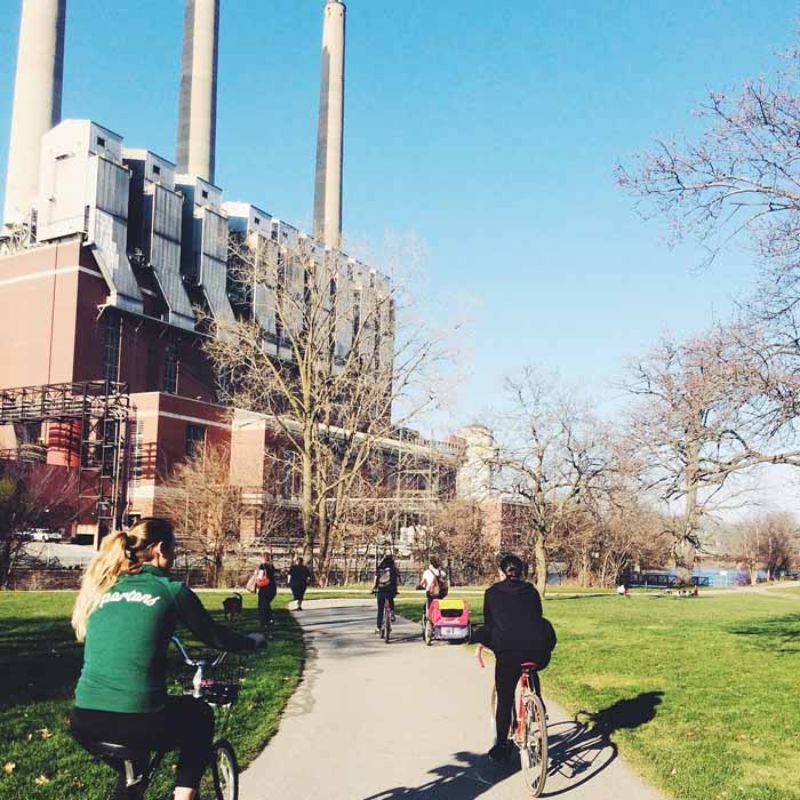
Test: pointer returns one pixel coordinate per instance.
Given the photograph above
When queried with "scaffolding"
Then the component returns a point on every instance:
(99, 413)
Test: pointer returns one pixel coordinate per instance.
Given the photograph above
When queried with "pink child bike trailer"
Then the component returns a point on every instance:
(450, 619)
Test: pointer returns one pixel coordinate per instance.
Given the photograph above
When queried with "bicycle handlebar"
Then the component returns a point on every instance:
(195, 662)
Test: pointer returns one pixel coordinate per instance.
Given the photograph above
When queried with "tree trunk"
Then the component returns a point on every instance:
(684, 548)
(684, 552)
(540, 561)
(5, 563)
(307, 496)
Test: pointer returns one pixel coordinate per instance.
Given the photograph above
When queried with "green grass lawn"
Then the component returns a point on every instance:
(700, 694)
(40, 663)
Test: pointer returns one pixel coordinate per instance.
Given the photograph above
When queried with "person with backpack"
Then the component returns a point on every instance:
(515, 629)
(434, 582)
(266, 588)
(387, 579)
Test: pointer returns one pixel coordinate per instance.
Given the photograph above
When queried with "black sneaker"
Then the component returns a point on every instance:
(499, 753)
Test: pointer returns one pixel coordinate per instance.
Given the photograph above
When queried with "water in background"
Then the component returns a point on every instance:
(717, 576)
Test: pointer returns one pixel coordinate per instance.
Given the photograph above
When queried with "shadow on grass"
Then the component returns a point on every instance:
(625, 714)
(39, 660)
(778, 635)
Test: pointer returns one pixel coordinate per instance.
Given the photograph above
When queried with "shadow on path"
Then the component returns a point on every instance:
(467, 776)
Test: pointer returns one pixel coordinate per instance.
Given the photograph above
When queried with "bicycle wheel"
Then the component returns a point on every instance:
(221, 779)
(387, 626)
(533, 747)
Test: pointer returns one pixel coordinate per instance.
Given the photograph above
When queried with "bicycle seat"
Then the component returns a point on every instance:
(530, 665)
(110, 751)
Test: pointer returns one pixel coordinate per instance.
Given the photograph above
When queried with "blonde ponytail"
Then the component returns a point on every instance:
(120, 554)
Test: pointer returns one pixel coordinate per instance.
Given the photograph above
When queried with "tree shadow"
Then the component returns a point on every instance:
(777, 635)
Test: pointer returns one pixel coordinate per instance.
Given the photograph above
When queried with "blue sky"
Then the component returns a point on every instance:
(488, 130)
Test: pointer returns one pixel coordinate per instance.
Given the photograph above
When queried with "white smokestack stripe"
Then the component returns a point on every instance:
(330, 139)
(37, 101)
(197, 123)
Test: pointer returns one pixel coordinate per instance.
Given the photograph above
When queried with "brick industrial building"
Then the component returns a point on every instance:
(110, 259)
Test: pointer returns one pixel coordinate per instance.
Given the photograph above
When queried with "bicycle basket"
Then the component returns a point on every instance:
(221, 684)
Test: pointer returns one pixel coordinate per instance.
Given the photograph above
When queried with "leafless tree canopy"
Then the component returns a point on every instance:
(32, 495)
(551, 452)
(740, 178)
(205, 508)
(317, 348)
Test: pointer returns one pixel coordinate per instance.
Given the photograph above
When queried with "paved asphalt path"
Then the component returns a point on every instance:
(372, 721)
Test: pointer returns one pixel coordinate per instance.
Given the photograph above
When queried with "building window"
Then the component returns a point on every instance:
(204, 193)
(195, 437)
(138, 453)
(101, 142)
(111, 349)
(257, 220)
(156, 169)
(171, 369)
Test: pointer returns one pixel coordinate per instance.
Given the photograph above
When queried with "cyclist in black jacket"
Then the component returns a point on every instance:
(516, 631)
(387, 579)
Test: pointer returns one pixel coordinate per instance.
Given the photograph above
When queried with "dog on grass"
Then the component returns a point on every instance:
(232, 606)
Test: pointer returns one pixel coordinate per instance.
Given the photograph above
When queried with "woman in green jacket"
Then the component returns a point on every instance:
(126, 612)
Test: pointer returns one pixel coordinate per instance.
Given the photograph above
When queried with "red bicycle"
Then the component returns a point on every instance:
(529, 726)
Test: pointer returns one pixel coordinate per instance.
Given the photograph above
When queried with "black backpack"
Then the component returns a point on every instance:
(385, 580)
(440, 587)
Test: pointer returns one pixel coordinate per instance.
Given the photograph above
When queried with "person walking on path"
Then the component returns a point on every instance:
(387, 579)
(126, 612)
(299, 578)
(516, 631)
(267, 588)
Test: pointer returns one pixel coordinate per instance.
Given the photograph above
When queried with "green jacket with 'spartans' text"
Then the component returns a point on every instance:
(127, 637)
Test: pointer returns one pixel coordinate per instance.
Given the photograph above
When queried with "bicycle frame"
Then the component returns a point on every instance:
(528, 682)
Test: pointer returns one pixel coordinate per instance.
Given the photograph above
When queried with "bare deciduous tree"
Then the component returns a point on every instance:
(205, 508)
(740, 178)
(551, 452)
(32, 495)
(317, 348)
(768, 542)
(460, 530)
(699, 422)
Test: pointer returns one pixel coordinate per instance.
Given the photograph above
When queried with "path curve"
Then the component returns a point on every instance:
(377, 722)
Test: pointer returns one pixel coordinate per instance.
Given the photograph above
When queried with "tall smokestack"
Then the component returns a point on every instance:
(37, 100)
(330, 139)
(197, 121)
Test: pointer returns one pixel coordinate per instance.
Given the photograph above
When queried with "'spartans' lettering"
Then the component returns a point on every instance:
(129, 597)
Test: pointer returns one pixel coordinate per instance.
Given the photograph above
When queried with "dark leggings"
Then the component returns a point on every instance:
(506, 675)
(184, 724)
(383, 599)
(265, 598)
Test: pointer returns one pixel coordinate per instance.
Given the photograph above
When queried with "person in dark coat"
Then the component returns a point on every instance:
(266, 594)
(516, 631)
(385, 588)
(299, 578)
